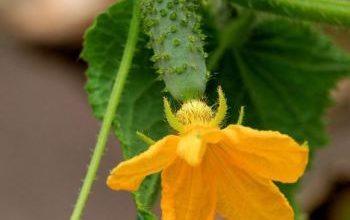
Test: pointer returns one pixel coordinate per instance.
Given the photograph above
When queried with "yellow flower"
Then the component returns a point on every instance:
(206, 169)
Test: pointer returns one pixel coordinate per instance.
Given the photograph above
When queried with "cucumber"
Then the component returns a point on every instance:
(177, 41)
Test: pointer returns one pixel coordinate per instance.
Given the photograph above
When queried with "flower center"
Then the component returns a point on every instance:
(194, 112)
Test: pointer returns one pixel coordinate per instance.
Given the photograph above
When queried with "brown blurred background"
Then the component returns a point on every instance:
(47, 130)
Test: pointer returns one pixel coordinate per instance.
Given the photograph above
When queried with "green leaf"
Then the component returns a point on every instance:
(283, 75)
(140, 108)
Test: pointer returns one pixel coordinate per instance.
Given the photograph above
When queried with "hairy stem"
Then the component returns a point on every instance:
(328, 11)
(109, 115)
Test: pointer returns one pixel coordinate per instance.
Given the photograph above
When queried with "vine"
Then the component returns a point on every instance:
(112, 106)
(329, 11)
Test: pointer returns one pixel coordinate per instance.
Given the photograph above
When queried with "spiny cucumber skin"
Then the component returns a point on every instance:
(174, 30)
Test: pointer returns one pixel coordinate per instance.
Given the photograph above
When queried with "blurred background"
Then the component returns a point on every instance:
(47, 130)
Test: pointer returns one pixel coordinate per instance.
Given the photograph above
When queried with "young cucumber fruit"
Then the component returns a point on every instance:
(175, 36)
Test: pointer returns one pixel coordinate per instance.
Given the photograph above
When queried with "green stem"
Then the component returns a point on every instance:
(110, 113)
(234, 35)
(328, 11)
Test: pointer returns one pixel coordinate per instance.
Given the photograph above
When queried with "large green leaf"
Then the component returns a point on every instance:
(140, 108)
(283, 75)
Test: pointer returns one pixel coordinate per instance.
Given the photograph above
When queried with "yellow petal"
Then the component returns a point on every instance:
(128, 175)
(188, 193)
(267, 153)
(247, 196)
(192, 146)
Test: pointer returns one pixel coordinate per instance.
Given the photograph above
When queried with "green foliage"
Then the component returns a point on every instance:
(175, 36)
(141, 103)
(283, 75)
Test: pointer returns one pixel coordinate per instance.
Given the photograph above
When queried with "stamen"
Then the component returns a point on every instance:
(194, 112)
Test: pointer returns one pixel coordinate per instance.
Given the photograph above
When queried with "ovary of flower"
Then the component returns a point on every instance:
(206, 169)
